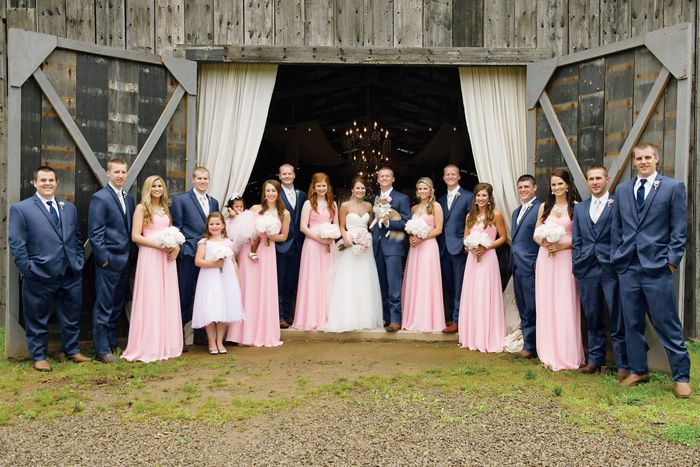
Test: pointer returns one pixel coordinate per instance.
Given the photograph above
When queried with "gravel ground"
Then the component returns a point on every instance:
(367, 429)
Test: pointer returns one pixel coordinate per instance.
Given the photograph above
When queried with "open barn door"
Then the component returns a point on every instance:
(74, 106)
(592, 108)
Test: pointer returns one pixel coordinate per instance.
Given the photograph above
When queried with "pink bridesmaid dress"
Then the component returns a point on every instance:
(311, 311)
(155, 327)
(261, 327)
(422, 306)
(558, 306)
(482, 321)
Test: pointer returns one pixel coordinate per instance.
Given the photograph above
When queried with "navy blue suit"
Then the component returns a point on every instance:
(453, 258)
(109, 230)
(289, 255)
(388, 254)
(596, 277)
(523, 257)
(50, 261)
(643, 243)
(188, 216)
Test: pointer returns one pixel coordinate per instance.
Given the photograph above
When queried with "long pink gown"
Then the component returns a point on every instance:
(558, 305)
(155, 327)
(311, 311)
(261, 327)
(422, 306)
(482, 322)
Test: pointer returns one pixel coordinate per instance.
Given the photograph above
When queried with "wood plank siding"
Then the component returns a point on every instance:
(596, 101)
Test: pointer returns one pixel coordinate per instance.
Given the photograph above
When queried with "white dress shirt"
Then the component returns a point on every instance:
(53, 202)
(523, 210)
(291, 196)
(120, 196)
(647, 186)
(603, 199)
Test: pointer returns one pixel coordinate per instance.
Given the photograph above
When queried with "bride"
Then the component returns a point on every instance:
(354, 298)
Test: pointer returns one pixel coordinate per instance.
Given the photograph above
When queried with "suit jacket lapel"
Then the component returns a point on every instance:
(604, 216)
(587, 215)
(650, 198)
(42, 208)
(119, 207)
(631, 200)
(197, 205)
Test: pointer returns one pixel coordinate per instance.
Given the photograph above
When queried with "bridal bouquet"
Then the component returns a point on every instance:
(328, 230)
(417, 227)
(170, 237)
(477, 239)
(222, 252)
(550, 232)
(361, 240)
(269, 225)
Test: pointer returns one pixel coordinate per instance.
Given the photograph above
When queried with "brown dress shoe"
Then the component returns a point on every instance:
(79, 358)
(451, 329)
(622, 374)
(393, 327)
(185, 348)
(589, 369)
(108, 358)
(633, 380)
(289, 321)
(683, 390)
(42, 365)
(283, 324)
(525, 354)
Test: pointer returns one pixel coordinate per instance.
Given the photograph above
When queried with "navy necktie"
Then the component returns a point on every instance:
(52, 211)
(640, 193)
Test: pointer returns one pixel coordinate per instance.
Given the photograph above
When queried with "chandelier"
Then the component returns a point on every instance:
(367, 149)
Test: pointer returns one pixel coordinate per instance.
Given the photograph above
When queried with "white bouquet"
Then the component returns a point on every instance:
(361, 240)
(328, 230)
(170, 237)
(222, 252)
(475, 240)
(269, 225)
(417, 227)
(551, 232)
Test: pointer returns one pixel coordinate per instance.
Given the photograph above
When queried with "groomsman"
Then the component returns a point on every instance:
(189, 211)
(595, 274)
(289, 251)
(388, 253)
(109, 229)
(523, 257)
(46, 244)
(647, 243)
(456, 204)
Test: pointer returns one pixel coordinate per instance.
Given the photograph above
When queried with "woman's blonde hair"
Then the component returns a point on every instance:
(431, 198)
(146, 199)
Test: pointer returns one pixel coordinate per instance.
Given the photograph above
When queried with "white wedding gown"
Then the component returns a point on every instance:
(354, 298)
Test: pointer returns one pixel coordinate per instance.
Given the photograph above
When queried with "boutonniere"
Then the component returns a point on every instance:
(656, 184)
(610, 202)
(124, 194)
(458, 194)
(388, 199)
(297, 192)
(61, 204)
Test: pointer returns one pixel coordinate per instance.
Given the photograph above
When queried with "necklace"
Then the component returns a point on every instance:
(161, 212)
(323, 206)
(480, 218)
(560, 210)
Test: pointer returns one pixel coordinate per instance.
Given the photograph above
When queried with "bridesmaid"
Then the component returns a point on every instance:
(423, 307)
(557, 301)
(482, 323)
(155, 327)
(311, 311)
(259, 278)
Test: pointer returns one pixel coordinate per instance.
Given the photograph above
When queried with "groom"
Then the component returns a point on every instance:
(455, 206)
(388, 253)
(649, 223)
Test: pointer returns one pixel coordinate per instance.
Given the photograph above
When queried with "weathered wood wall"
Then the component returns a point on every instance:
(560, 26)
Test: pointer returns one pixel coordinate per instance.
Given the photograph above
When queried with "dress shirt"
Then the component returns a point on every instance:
(647, 186)
(291, 196)
(120, 196)
(451, 195)
(54, 203)
(386, 194)
(603, 199)
(523, 210)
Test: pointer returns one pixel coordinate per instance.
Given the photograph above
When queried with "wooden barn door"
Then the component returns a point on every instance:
(74, 106)
(592, 108)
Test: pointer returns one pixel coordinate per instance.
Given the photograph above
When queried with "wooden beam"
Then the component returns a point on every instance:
(153, 138)
(563, 143)
(615, 170)
(418, 56)
(191, 138)
(602, 51)
(70, 125)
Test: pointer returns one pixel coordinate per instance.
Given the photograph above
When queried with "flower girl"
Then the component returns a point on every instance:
(217, 300)
(240, 226)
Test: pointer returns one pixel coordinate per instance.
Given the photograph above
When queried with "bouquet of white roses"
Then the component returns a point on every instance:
(328, 230)
(477, 239)
(417, 227)
(361, 240)
(551, 232)
(222, 252)
(269, 225)
(170, 237)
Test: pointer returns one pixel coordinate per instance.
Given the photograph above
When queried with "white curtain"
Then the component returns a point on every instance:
(234, 100)
(496, 114)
